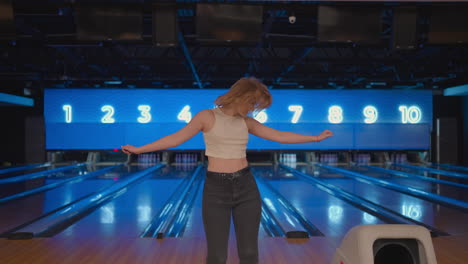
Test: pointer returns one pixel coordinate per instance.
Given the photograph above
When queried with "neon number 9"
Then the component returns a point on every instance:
(297, 109)
(68, 113)
(410, 114)
(371, 114)
(145, 114)
(108, 117)
(335, 114)
(261, 116)
(185, 114)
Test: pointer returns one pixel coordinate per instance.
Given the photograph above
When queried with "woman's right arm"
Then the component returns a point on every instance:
(187, 132)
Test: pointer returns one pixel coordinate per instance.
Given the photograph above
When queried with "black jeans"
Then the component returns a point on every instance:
(236, 194)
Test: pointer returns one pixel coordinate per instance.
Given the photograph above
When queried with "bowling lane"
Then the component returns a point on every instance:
(23, 210)
(7, 189)
(26, 171)
(454, 192)
(450, 220)
(448, 167)
(129, 214)
(330, 215)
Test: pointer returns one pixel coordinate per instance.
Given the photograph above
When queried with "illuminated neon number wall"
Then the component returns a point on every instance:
(360, 119)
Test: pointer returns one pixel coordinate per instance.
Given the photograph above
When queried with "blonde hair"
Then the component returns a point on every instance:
(246, 91)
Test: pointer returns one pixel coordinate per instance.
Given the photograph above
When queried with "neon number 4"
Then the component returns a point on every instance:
(185, 115)
(108, 117)
(145, 114)
(297, 109)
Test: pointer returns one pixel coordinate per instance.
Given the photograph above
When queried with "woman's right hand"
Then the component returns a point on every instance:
(129, 149)
(325, 134)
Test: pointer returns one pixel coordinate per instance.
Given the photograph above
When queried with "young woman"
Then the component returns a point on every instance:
(230, 189)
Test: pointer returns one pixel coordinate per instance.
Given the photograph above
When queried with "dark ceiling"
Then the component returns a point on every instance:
(46, 53)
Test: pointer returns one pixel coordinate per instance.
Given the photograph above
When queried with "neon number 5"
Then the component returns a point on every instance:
(185, 115)
(371, 114)
(297, 109)
(68, 113)
(108, 117)
(261, 116)
(145, 114)
(335, 114)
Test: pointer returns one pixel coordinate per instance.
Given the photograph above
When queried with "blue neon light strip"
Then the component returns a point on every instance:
(450, 166)
(435, 171)
(56, 184)
(406, 174)
(377, 210)
(47, 224)
(27, 167)
(39, 174)
(404, 189)
(8, 99)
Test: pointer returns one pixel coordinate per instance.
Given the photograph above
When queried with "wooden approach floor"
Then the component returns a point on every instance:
(449, 250)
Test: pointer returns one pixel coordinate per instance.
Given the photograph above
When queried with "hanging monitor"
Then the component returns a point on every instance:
(229, 22)
(7, 26)
(448, 25)
(360, 24)
(109, 22)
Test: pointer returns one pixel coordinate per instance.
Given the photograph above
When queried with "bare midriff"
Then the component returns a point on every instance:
(226, 165)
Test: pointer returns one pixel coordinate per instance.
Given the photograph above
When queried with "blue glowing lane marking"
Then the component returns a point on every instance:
(435, 171)
(410, 175)
(404, 189)
(450, 166)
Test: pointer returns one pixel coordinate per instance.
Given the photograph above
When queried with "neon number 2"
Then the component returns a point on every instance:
(108, 117)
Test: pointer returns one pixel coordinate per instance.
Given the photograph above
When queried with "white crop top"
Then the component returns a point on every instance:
(227, 138)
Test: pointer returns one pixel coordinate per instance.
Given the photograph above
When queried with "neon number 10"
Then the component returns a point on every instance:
(108, 117)
(68, 113)
(410, 114)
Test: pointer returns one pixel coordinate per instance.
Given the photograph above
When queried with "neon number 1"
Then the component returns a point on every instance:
(68, 113)
(108, 117)
(410, 114)
(185, 114)
(297, 109)
(145, 114)
(335, 114)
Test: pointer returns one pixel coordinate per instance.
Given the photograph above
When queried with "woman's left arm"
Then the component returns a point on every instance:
(258, 129)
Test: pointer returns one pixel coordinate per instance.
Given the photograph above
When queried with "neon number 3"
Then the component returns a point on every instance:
(335, 114)
(371, 114)
(297, 109)
(68, 113)
(108, 117)
(185, 114)
(145, 114)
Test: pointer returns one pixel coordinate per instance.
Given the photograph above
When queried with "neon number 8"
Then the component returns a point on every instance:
(335, 114)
